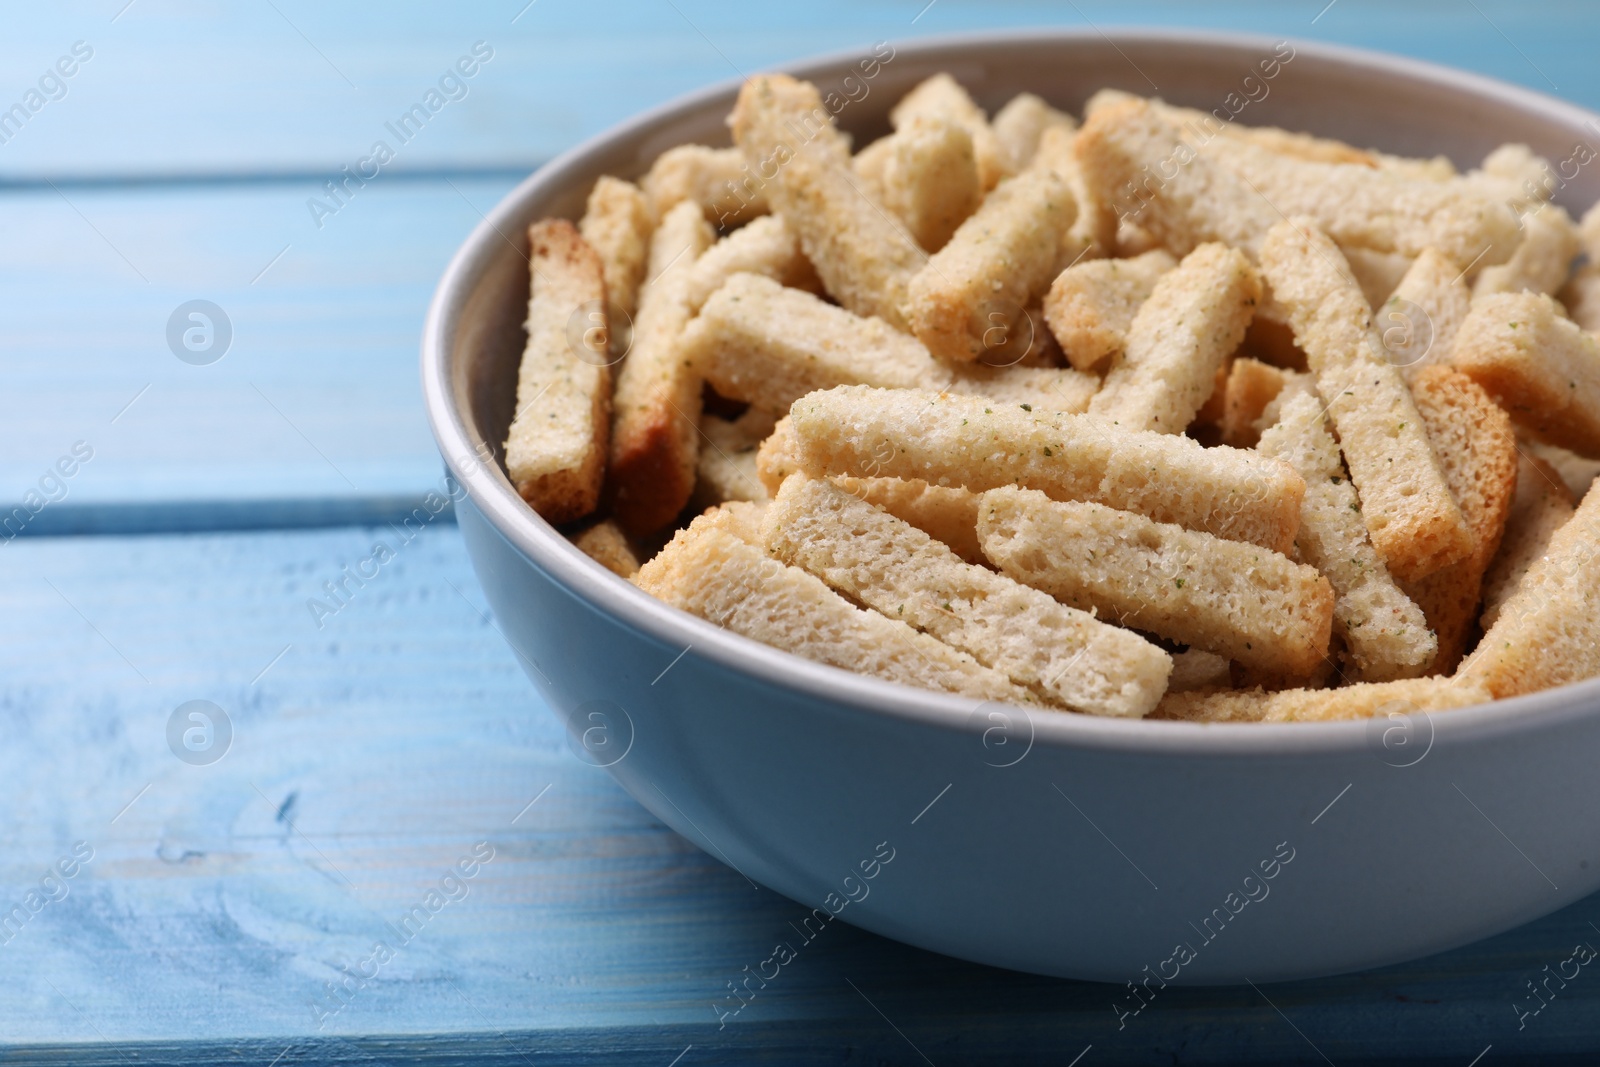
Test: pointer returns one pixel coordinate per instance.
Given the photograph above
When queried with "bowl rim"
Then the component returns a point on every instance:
(491, 493)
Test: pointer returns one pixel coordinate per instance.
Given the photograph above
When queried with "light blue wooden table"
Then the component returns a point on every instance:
(157, 909)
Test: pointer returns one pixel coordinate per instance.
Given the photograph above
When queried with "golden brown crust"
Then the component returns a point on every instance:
(1091, 306)
(1250, 387)
(607, 545)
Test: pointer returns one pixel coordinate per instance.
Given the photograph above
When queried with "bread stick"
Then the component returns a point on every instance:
(1194, 319)
(1547, 633)
(1255, 607)
(556, 446)
(616, 224)
(1540, 367)
(1541, 263)
(1385, 634)
(1251, 386)
(765, 246)
(1368, 700)
(655, 436)
(607, 545)
(1019, 125)
(971, 292)
(1196, 669)
(716, 575)
(863, 257)
(1201, 127)
(1064, 655)
(726, 467)
(1420, 320)
(926, 175)
(1542, 505)
(979, 445)
(1090, 307)
(942, 97)
(1478, 452)
(1410, 515)
(717, 179)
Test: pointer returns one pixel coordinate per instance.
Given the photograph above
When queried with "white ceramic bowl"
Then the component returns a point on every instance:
(1062, 844)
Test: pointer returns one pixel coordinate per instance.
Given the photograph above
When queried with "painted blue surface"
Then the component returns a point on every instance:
(372, 752)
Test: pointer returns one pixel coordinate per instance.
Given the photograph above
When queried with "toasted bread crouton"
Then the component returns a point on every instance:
(1581, 294)
(765, 246)
(1411, 517)
(1250, 387)
(1019, 125)
(1420, 320)
(1377, 273)
(942, 97)
(1180, 338)
(1093, 233)
(978, 444)
(656, 434)
(779, 456)
(1476, 448)
(864, 259)
(1196, 669)
(971, 292)
(1540, 367)
(1369, 700)
(1201, 127)
(1379, 210)
(769, 345)
(720, 577)
(1385, 634)
(1029, 388)
(556, 447)
(1090, 307)
(1542, 263)
(726, 468)
(925, 174)
(741, 518)
(1547, 634)
(717, 179)
(607, 545)
(1237, 600)
(1065, 656)
(617, 224)
(1542, 505)
(1128, 151)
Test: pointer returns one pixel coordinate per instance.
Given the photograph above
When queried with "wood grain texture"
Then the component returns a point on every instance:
(380, 749)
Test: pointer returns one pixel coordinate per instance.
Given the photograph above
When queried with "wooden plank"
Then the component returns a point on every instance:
(317, 396)
(193, 88)
(370, 755)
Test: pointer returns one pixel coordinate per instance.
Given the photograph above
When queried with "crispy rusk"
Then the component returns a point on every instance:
(1542, 505)
(980, 444)
(717, 179)
(766, 247)
(1201, 127)
(1384, 632)
(1090, 307)
(926, 175)
(1473, 439)
(1542, 263)
(655, 435)
(1179, 341)
(616, 223)
(865, 260)
(556, 447)
(1064, 655)
(971, 293)
(1540, 366)
(1368, 700)
(1019, 125)
(1238, 600)
(1420, 320)
(1414, 522)
(1127, 151)
(942, 97)
(719, 576)
(726, 468)
(1548, 631)
(607, 545)
(1196, 669)
(1250, 387)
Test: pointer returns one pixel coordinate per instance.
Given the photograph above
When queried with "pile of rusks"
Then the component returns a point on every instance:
(1156, 416)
